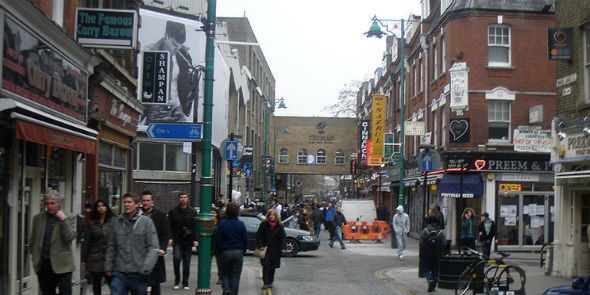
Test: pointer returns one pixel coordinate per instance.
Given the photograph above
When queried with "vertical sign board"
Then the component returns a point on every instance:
(106, 28)
(364, 136)
(560, 43)
(155, 77)
(378, 125)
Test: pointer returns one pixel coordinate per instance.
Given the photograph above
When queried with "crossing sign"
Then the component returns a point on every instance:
(231, 150)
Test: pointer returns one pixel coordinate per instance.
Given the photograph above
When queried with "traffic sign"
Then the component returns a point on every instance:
(247, 170)
(231, 150)
(427, 161)
(175, 131)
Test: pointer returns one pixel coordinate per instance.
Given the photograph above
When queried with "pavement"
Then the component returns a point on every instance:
(402, 276)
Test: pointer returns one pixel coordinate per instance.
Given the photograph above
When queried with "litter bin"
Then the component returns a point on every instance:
(451, 268)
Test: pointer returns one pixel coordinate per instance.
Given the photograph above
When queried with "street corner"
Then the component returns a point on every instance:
(404, 279)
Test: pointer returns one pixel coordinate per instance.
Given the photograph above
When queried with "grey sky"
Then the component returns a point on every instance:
(315, 47)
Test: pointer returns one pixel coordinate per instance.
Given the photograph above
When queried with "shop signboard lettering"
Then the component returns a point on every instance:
(155, 77)
(487, 163)
(364, 136)
(106, 28)
(532, 139)
(36, 71)
(577, 146)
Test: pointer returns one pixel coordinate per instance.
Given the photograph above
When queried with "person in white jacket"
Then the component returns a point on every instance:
(401, 227)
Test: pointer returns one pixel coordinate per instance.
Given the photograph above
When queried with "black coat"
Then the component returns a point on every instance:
(278, 243)
(486, 236)
(179, 219)
(95, 245)
(160, 220)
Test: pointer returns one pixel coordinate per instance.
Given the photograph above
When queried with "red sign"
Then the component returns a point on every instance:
(39, 134)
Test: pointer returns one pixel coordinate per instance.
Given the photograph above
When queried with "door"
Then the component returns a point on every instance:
(583, 199)
(29, 199)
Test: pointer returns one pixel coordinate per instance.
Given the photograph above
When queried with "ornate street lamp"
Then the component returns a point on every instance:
(282, 105)
(375, 31)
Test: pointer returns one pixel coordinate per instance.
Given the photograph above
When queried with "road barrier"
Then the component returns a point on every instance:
(365, 230)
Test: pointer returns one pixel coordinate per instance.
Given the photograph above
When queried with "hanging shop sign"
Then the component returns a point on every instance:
(154, 87)
(560, 43)
(414, 128)
(459, 130)
(106, 28)
(514, 162)
(459, 87)
(35, 70)
(378, 125)
(364, 137)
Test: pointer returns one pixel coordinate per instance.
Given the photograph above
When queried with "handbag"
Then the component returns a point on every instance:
(261, 252)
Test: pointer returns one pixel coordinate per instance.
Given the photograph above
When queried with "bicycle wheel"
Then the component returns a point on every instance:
(489, 276)
(464, 282)
(511, 279)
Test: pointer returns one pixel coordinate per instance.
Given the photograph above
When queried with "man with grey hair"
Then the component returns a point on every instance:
(50, 242)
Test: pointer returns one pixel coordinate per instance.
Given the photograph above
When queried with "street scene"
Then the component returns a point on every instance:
(271, 147)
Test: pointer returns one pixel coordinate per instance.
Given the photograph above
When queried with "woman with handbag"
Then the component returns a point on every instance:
(95, 244)
(231, 242)
(271, 235)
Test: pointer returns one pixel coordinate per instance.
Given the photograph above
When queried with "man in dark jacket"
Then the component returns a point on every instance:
(338, 220)
(158, 274)
(487, 231)
(317, 217)
(432, 241)
(182, 228)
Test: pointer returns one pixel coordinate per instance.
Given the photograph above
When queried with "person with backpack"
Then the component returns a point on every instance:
(487, 231)
(432, 241)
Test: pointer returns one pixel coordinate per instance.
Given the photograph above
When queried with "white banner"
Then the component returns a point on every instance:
(532, 139)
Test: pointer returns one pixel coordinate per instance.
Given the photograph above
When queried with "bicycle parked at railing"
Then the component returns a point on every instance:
(492, 277)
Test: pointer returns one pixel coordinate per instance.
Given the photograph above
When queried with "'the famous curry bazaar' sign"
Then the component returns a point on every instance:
(34, 70)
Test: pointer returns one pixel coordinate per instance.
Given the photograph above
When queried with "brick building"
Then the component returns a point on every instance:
(571, 139)
(478, 76)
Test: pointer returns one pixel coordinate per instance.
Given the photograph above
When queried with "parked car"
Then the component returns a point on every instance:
(297, 240)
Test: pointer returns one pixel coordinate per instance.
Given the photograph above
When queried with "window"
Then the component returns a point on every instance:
(587, 65)
(284, 156)
(339, 158)
(302, 157)
(162, 157)
(434, 62)
(499, 120)
(498, 45)
(321, 157)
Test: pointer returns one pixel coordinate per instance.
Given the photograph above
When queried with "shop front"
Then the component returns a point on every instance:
(45, 141)
(571, 159)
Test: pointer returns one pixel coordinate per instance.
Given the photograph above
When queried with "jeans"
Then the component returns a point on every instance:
(402, 240)
(97, 282)
(231, 270)
(430, 267)
(317, 226)
(337, 236)
(123, 283)
(182, 251)
(486, 248)
(331, 229)
(48, 280)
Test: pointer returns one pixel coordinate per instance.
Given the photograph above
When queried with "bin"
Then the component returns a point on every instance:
(451, 268)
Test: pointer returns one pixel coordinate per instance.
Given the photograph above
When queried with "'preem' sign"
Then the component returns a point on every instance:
(106, 28)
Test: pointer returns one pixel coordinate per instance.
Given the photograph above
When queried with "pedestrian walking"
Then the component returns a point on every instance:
(305, 220)
(468, 230)
(317, 217)
(50, 244)
(271, 234)
(487, 232)
(132, 251)
(432, 239)
(160, 220)
(217, 217)
(338, 220)
(95, 245)
(328, 214)
(401, 227)
(437, 212)
(231, 242)
(293, 220)
(182, 229)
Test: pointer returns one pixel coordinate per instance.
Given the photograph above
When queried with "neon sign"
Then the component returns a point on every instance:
(509, 187)
(480, 164)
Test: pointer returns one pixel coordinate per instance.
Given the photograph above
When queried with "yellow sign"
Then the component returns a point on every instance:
(374, 161)
(509, 187)
(378, 125)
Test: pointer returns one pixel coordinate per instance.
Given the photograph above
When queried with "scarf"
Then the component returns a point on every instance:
(272, 225)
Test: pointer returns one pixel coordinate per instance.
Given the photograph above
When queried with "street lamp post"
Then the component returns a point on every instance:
(274, 153)
(375, 31)
(282, 105)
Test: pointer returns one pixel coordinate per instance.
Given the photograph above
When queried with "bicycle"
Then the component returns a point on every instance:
(497, 279)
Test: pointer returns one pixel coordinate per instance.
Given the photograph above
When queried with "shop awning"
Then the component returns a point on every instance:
(43, 135)
(456, 186)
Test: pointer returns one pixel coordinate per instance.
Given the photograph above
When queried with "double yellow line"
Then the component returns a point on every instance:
(380, 275)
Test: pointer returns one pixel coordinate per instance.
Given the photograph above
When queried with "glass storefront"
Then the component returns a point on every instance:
(524, 214)
(112, 163)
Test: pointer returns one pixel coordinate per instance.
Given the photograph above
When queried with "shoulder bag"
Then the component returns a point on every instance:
(261, 252)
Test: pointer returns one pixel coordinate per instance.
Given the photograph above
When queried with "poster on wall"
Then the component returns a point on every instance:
(185, 40)
(459, 130)
(33, 69)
